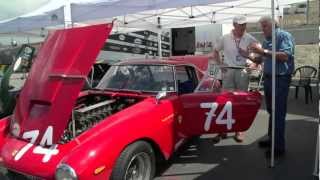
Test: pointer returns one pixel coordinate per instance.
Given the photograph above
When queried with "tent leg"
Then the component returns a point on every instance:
(67, 15)
(316, 159)
(159, 43)
(273, 82)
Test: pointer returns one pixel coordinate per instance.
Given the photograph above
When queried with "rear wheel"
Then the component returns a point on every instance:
(136, 162)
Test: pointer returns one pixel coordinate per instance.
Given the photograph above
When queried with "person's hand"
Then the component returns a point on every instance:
(254, 66)
(248, 62)
(256, 48)
(214, 57)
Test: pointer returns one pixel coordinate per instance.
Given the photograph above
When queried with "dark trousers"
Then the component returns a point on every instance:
(281, 96)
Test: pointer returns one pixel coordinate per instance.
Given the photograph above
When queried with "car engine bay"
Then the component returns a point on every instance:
(91, 109)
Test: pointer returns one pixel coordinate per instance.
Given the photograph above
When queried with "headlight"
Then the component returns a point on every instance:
(65, 172)
(14, 126)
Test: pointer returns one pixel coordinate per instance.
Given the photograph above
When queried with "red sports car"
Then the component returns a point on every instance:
(140, 112)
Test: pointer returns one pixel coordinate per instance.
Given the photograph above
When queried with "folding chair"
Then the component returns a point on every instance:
(302, 77)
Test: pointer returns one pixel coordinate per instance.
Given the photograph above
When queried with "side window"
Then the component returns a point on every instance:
(193, 75)
(186, 79)
(181, 74)
(208, 84)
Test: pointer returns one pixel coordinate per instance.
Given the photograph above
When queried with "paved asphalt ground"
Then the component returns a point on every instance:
(200, 159)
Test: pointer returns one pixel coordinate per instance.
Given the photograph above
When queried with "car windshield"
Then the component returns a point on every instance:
(150, 78)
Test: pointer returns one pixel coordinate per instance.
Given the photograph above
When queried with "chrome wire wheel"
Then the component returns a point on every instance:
(139, 167)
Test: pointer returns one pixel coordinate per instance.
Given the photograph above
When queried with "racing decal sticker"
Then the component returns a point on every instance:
(32, 135)
(220, 119)
(46, 140)
(47, 152)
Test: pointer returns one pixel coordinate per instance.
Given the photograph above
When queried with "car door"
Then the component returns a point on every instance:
(209, 110)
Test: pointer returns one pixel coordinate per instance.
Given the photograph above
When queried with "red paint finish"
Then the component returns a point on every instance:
(245, 106)
(48, 99)
(56, 78)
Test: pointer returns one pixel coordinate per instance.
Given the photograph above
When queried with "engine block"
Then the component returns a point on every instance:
(89, 113)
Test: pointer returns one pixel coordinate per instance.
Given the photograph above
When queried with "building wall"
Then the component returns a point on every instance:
(301, 13)
(300, 19)
(307, 35)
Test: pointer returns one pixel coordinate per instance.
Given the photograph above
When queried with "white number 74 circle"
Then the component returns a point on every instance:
(219, 120)
(46, 140)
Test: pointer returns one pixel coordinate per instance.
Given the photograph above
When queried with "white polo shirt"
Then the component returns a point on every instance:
(228, 44)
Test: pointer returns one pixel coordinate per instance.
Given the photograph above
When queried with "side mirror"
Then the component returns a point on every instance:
(24, 59)
(161, 95)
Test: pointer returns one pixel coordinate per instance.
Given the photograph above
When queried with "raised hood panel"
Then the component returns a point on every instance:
(55, 80)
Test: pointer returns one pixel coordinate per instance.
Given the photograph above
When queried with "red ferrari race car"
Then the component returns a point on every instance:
(139, 112)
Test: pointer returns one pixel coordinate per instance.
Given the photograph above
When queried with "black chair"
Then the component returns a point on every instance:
(302, 77)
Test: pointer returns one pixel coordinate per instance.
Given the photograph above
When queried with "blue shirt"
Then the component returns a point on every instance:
(284, 43)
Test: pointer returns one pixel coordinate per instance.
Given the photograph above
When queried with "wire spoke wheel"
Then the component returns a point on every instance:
(139, 167)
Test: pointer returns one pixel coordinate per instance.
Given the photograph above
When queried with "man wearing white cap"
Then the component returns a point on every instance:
(235, 49)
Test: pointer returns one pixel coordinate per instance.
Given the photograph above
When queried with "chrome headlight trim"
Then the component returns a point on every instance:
(67, 170)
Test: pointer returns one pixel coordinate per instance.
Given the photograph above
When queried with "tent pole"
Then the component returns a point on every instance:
(316, 171)
(273, 82)
(316, 159)
(67, 14)
(159, 37)
(159, 43)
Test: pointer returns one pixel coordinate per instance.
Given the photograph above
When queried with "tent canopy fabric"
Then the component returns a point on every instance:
(52, 14)
(141, 14)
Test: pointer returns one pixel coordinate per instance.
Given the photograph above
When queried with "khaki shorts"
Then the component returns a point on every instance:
(235, 79)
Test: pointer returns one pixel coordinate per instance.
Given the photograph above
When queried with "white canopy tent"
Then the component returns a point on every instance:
(148, 14)
(140, 14)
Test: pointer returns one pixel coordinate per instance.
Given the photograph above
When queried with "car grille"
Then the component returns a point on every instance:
(28, 177)
(20, 176)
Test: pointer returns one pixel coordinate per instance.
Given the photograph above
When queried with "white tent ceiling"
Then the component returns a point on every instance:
(142, 14)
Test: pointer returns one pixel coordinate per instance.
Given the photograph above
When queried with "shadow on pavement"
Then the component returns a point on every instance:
(247, 161)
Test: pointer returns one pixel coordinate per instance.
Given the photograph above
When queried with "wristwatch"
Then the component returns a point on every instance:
(265, 52)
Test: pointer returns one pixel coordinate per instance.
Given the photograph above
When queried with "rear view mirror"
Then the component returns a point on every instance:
(24, 58)
(161, 95)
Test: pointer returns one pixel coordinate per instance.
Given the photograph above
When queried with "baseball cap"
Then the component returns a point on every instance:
(240, 20)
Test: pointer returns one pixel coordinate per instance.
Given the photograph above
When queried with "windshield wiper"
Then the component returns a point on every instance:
(122, 90)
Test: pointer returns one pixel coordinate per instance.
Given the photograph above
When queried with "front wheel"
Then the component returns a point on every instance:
(136, 162)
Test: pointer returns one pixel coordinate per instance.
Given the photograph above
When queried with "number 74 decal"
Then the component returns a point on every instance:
(46, 140)
(219, 120)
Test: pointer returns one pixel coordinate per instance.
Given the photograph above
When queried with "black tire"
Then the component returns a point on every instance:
(137, 161)
(11, 175)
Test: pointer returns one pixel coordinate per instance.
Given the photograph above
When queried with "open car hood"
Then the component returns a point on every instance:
(55, 80)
